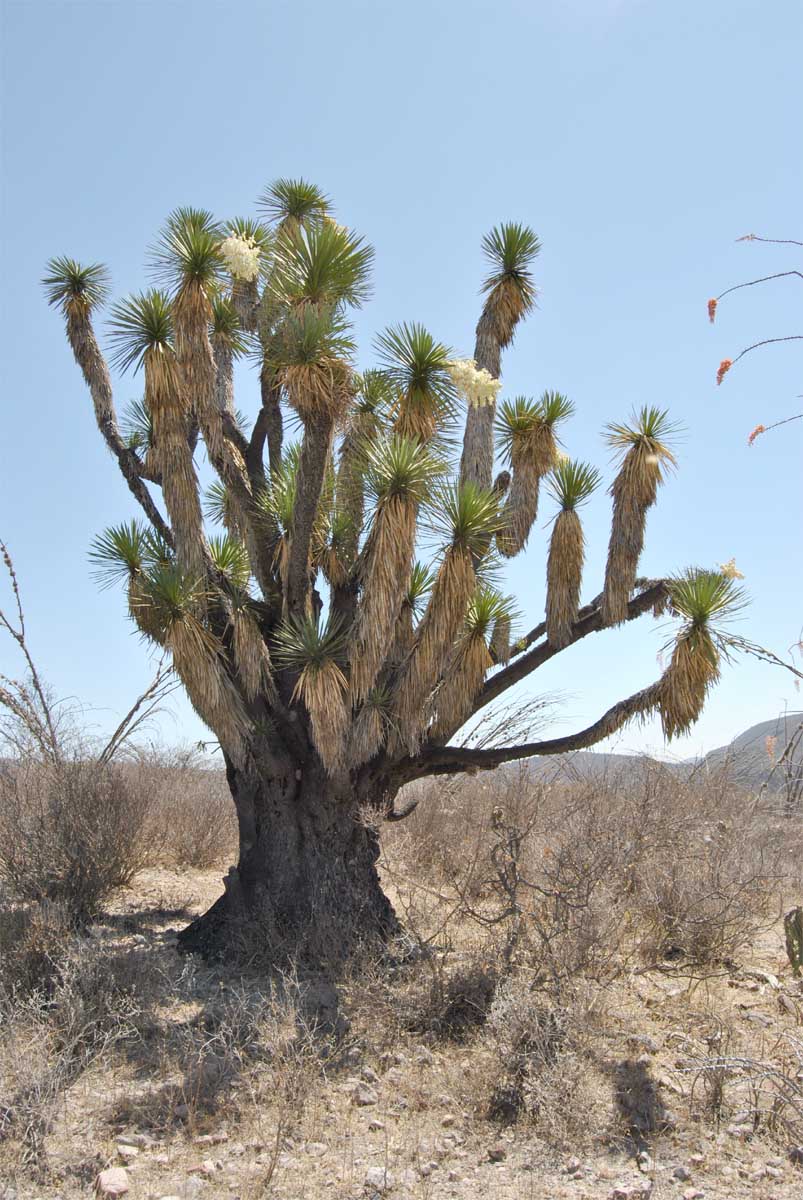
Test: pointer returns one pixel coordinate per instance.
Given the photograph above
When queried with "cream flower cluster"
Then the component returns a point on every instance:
(241, 256)
(730, 570)
(477, 386)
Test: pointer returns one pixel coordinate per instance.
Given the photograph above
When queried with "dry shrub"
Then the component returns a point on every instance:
(191, 816)
(247, 1047)
(703, 905)
(544, 1058)
(582, 875)
(70, 832)
(34, 940)
(97, 997)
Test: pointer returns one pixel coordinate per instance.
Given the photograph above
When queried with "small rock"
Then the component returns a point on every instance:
(209, 1166)
(692, 1193)
(212, 1139)
(643, 1041)
(363, 1096)
(316, 1149)
(697, 1160)
(645, 1163)
(369, 1075)
(573, 1166)
(766, 977)
(497, 1153)
(376, 1126)
(377, 1179)
(408, 1178)
(682, 1174)
(448, 1121)
(194, 1187)
(796, 1155)
(112, 1182)
(141, 1140)
(127, 1153)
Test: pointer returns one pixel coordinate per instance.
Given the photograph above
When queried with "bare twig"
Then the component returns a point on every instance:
(36, 714)
(163, 683)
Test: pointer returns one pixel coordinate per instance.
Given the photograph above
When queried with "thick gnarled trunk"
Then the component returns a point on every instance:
(306, 884)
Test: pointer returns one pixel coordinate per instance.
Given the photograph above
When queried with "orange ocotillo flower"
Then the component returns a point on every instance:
(712, 310)
(758, 429)
(724, 367)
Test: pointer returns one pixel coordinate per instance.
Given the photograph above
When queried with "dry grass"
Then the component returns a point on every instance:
(593, 971)
(70, 832)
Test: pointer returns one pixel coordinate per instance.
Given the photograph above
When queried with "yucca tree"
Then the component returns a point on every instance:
(527, 433)
(348, 618)
(644, 449)
(509, 296)
(571, 485)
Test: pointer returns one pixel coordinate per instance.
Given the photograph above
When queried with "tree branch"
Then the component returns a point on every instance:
(87, 353)
(268, 425)
(450, 760)
(793, 337)
(763, 279)
(589, 621)
(311, 473)
(163, 683)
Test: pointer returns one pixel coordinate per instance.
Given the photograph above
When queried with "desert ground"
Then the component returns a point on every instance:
(621, 1022)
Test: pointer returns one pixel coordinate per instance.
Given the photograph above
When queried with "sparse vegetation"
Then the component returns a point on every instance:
(582, 956)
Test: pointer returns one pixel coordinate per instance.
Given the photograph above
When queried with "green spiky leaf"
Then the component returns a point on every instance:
(515, 419)
(172, 593)
(572, 482)
(294, 200)
(555, 407)
(416, 367)
(421, 581)
(226, 326)
(188, 250)
(399, 466)
(488, 605)
(650, 429)
(69, 282)
(706, 599)
(510, 249)
(304, 644)
(466, 517)
(313, 335)
(136, 426)
(231, 559)
(321, 264)
(118, 553)
(138, 324)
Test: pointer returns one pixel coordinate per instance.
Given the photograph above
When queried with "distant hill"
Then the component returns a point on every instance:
(752, 756)
(749, 756)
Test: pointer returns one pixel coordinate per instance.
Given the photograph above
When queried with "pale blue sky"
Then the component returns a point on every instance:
(638, 138)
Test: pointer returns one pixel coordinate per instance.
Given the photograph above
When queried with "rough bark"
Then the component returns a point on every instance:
(476, 465)
(306, 885)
